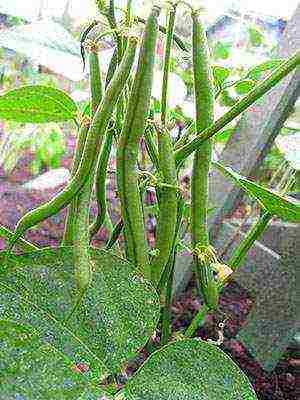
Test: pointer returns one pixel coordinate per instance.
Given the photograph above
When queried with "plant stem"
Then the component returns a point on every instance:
(115, 234)
(21, 243)
(263, 87)
(166, 316)
(128, 12)
(239, 254)
(166, 68)
(163, 29)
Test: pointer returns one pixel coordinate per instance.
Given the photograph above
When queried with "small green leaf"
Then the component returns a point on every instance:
(112, 322)
(188, 369)
(226, 99)
(37, 104)
(224, 136)
(286, 208)
(221, 51)
(220, 74)
(30, 369)
(255, 73)
(256, 37)
(243, 87)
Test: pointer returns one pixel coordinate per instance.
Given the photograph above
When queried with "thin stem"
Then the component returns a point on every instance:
(21, 243)
(128, 12)
(166, 68)
(115, 234)
(197, 322)
(239, 254)
(263, 87)
(166, 316)
(163, 29)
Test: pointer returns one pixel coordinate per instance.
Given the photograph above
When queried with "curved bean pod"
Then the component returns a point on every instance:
(72, 209)
(101, 183)
(204, 99)
(94, 139)
(127, 151)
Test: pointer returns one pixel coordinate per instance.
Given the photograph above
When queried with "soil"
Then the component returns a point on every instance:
(235, 302)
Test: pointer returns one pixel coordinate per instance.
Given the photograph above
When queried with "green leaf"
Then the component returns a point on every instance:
(243, 87)
(226, 100)
(256, 37)
(220, 74)
(225, 135)
(37, 104)
(255, 73)
(188, 369)
(286, 208)
(114, 319)
(221, 51)
(30, 369)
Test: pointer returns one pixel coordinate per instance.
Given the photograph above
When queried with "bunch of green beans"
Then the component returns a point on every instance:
(127, 151)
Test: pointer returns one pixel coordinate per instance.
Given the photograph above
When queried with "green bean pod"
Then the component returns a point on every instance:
(208, 284)
(204, 99)
(101, 183)
(165, 230)
(127, 151)
(113, 64)
(96, 97)
(96, 82)
(151, 146)
(81, 250)
(72, 209)
(166, 224)
(93, 141)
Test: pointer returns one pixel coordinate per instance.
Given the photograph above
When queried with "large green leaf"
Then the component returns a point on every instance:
(188, 370)
(37, 104)
(113, 321)
(286, 208)
(30, 369)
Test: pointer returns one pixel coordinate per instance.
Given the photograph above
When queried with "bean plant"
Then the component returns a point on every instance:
(74, 317)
